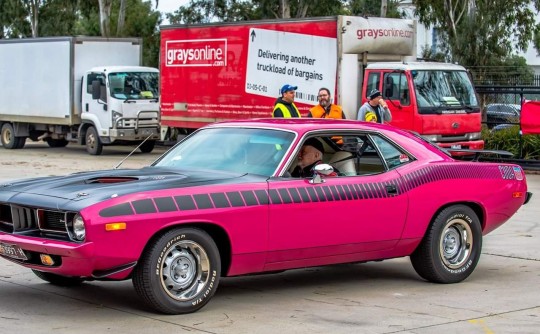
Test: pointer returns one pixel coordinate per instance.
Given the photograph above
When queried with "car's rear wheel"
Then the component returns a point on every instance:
(179, 271)
(57, 279)
(451, 247)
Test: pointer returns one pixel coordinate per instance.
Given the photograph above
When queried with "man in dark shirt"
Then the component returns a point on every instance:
(310, 155)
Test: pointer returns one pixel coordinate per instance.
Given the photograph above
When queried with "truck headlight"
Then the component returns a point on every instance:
(79, 230)
(431, 138)
(474, 135)
(116, 115)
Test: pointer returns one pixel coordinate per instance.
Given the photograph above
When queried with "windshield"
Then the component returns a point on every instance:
(444, 89)
(243, 150)
(134, 85)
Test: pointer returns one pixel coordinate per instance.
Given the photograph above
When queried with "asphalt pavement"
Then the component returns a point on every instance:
(501, 296)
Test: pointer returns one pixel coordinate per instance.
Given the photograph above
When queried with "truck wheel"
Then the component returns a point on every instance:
(451, 247)
(7, 136)
(147, 146)
(57, 279)
(179, 271)
(93, 143)
(56, 142)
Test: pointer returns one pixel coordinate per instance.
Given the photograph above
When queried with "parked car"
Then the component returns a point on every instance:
(500, 113)
(223, 203)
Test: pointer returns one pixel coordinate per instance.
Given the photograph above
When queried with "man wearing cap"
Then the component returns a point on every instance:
(284, 106)
(310, 155)
(375, 109)
(325, 108)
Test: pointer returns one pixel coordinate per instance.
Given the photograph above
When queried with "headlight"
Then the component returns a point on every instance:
(79, 230)
(474, 135)
(432, 138)
(117, 115)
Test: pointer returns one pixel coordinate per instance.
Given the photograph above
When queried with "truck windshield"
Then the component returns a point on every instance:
(134, 85)
(443, 90)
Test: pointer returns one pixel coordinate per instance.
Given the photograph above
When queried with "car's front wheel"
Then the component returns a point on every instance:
(451, 246)
(57, 279)
(179, 272)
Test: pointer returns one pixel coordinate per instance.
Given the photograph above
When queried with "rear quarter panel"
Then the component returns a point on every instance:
(433, 186)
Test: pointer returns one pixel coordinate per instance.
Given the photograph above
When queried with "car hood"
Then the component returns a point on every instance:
(101, 185)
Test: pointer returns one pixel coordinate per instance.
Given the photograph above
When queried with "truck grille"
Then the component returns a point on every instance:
(17, 219)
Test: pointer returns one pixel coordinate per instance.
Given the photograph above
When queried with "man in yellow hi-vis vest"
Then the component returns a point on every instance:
(284, 106)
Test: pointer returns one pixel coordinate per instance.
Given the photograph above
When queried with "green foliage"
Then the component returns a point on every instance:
(58, 18)
(13, 23)
(512, 70)
(204, 11)
(428, 54)
(373, 8)
(483, 32)
(510, 140)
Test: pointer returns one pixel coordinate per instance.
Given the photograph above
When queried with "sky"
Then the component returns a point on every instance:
(169, 6)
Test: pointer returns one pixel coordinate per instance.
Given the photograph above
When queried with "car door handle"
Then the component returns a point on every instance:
(391, 189)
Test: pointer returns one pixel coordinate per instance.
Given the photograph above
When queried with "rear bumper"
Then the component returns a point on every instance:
(470, 145)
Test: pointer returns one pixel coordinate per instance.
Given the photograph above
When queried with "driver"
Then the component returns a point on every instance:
(310, 155)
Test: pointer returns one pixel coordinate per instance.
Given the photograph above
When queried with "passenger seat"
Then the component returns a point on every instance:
(343, 161)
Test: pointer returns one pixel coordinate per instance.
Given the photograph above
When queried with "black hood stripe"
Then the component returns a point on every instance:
(309, 194)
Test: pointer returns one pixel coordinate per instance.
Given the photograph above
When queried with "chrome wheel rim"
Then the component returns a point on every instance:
(185, 270)
(6, 136)
(456, 243)
(91, 140)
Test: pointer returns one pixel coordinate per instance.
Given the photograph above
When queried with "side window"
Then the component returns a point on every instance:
(396, 88)
(373, 82)
(392, 156)
(92, 77)
(349, 155)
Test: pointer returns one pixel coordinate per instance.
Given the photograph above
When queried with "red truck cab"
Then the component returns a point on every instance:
(437, 100)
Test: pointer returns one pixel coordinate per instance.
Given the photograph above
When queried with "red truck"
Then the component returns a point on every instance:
(223, 71)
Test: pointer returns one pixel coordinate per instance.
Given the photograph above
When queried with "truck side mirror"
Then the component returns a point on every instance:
(96, 90)
(388, 89)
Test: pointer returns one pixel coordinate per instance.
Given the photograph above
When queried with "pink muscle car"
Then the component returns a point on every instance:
(224, 202)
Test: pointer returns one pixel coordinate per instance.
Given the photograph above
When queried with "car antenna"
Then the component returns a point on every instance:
(135, 149)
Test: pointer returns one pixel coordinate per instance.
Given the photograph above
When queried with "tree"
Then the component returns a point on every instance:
(481, 33)
(105, 17)
(13, 19)
(201, 11)
(375, 8)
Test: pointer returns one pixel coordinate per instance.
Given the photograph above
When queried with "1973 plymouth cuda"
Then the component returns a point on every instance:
(223, 202)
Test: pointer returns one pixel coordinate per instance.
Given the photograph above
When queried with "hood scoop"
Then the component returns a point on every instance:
(111, 179)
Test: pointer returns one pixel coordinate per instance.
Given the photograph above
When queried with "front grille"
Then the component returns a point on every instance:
(24, 219)
(6, 222)
(52, 220)
(36, 222)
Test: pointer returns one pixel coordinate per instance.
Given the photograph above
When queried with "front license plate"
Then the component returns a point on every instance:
(457, 147)
(12, 251)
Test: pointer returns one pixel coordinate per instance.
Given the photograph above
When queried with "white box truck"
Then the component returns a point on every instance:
(88, 90)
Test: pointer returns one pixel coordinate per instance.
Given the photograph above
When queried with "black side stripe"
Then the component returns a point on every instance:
(309, 194)
(144, 206)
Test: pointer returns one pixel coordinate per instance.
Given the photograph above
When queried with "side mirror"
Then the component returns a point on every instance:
(388, 89)
(96, 90)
